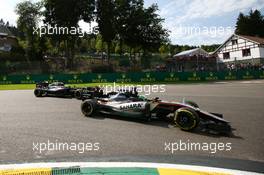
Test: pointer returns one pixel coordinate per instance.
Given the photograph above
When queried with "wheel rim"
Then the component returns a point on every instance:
(185, 120)
(37, 92)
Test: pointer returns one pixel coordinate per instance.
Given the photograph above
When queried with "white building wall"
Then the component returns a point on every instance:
(261, 50)
(235, 51)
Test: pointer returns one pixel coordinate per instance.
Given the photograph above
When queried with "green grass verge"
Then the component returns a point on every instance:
(17, 86)
(32, 86)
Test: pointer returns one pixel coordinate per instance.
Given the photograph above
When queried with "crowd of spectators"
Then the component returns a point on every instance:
(245, 66)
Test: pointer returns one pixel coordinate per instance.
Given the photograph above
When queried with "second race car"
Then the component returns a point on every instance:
(59, 89)
(55, 89)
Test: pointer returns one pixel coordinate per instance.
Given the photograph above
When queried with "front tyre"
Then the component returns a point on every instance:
(38, 93)
(88, 108)
(186, 119)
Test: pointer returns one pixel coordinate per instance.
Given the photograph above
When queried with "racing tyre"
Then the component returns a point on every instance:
(88, 108)
(147, 113)
(38, 93)
(78, 94)
(191, 103)
(186, 119)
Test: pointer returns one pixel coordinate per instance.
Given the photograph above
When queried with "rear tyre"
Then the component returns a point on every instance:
(88, 108)
(38, 93)
(186, 119)
(78, 94)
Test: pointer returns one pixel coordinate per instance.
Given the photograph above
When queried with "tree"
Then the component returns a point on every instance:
(252, 24)
(117, 48)
(152, 34)
(138, 27)
(67, 14)
(28, 18)
(105, 19)
(2, 22)
(99, 44)
(163, 49)
(92, 44)
(210, 48)
(123, 13)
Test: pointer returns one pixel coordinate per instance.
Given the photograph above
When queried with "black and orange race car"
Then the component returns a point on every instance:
(186, 115)
(59, 89)
(55, 89)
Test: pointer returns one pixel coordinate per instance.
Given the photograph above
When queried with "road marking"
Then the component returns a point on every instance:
(252, 82)
(171, 171)
(31, 171)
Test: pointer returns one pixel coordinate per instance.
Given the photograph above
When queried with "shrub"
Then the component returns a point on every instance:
(102, 69)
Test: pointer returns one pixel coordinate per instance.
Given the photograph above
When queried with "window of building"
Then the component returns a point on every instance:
(226, 55)
(246, 52)
(234, 41)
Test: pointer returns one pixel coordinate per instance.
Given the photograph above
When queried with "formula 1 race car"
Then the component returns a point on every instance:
(55, 89)
(58, 89)
(88, 93)
(186, 115)
(97, 92)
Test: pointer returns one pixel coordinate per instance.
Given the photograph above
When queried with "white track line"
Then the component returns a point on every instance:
(127, 165)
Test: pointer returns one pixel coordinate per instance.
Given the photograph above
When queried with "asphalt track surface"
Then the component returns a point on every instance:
(25, 119)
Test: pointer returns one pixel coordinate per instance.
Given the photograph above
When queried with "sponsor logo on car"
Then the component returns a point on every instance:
(131, 106)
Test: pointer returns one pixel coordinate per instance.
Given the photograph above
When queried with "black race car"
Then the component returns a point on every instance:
(88, 93)
(97, 92)
(55, 89)
(58, 89)
(186, 115)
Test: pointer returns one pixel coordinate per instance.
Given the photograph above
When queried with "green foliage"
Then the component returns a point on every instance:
(174, 49)
(83, 47)
(102, 69)
(165, 49)
(99, 44)
(106, 23)
(138, 26)
(67, 14)
(117, 48)
(210, 48)
(145, 61)
(29, 14)
(252, 24)
(125, 26)
(124, 62)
